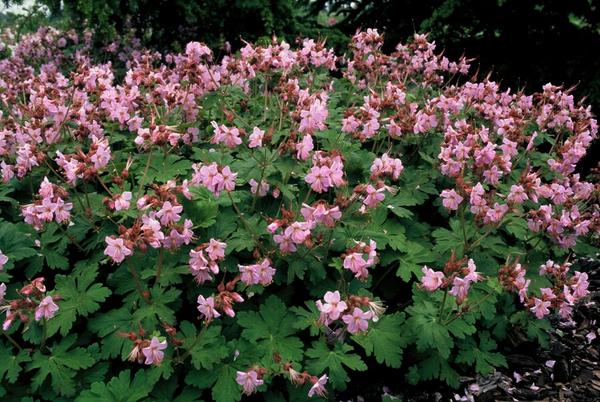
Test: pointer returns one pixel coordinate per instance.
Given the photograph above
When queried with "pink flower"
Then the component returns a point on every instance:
(153, 352)
(357, 321)
(248, 380)
(206, 307)
(2, 292)
(304, 147)
(169, 213)
(62, 212)
(116, 249)
(286, 245)
(314, 118)
(228, 136)
(228, 178)
(374, 196)
(257, 273)
(517, 194)
(356, 263)
(540, 309)
(262, 190)
(3, 260)
(318, 178)
(431, 279)
(216, 249)
(256, 138)
(580, 288)
(298, 232)
(333, 306)
(122, 201)
(460, 289)
(451, 199)
(318, 387)
(47, 308)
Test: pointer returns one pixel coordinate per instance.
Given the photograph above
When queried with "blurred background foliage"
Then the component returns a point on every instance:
(523, 43)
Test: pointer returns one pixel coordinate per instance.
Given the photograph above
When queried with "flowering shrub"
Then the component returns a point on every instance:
(276, 220)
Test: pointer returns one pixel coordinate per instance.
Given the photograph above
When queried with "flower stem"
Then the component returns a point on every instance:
(12, 340)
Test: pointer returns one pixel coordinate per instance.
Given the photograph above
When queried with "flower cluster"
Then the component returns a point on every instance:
(455, 276)
(50, 206)
(33, 301)
(562, 296)
(350, 311)
(214, 178)
(354, 258)
(204, 258)
(257, 274)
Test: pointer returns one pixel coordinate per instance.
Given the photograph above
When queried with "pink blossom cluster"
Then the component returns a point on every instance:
(230, 137)
(455, 276)
(293, 235)
(204, 260)
(386, 166)
(326, 172)
(50, 206)
(161, 135)
(257, 274)
(481, 157)
(85, 165)
(159, 227)
(144, 351)
(355, 261)
(213, 306)
(563, 295)
(321, 213)
(214, 177)
(333, 309)
(33, 301)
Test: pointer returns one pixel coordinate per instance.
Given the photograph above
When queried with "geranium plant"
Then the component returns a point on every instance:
(276, 220)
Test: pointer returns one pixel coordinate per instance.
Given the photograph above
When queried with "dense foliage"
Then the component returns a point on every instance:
(276, 220)
(171, 24)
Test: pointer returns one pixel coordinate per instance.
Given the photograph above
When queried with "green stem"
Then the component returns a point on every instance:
(146, 168)
(246, 224)
(44, 334)
(193, 345)
(161, 256)
(12, 340)
(136, 281)
(443, 304)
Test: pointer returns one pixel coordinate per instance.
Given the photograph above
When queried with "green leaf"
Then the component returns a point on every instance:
(427, 331)
(481, 355)
(413, 261)
(385, 339)
(206, 347)
(333, 361)
(80, 296)
(163, 169)
(61, 365)
(226, 389)
(15, 243)
(272, 329)
(437, 367)
(107, 325)
(11, 363)
(307, 317)
(454, 239)
(119, 389)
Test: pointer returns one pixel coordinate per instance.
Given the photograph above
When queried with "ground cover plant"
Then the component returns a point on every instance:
(276, 221)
